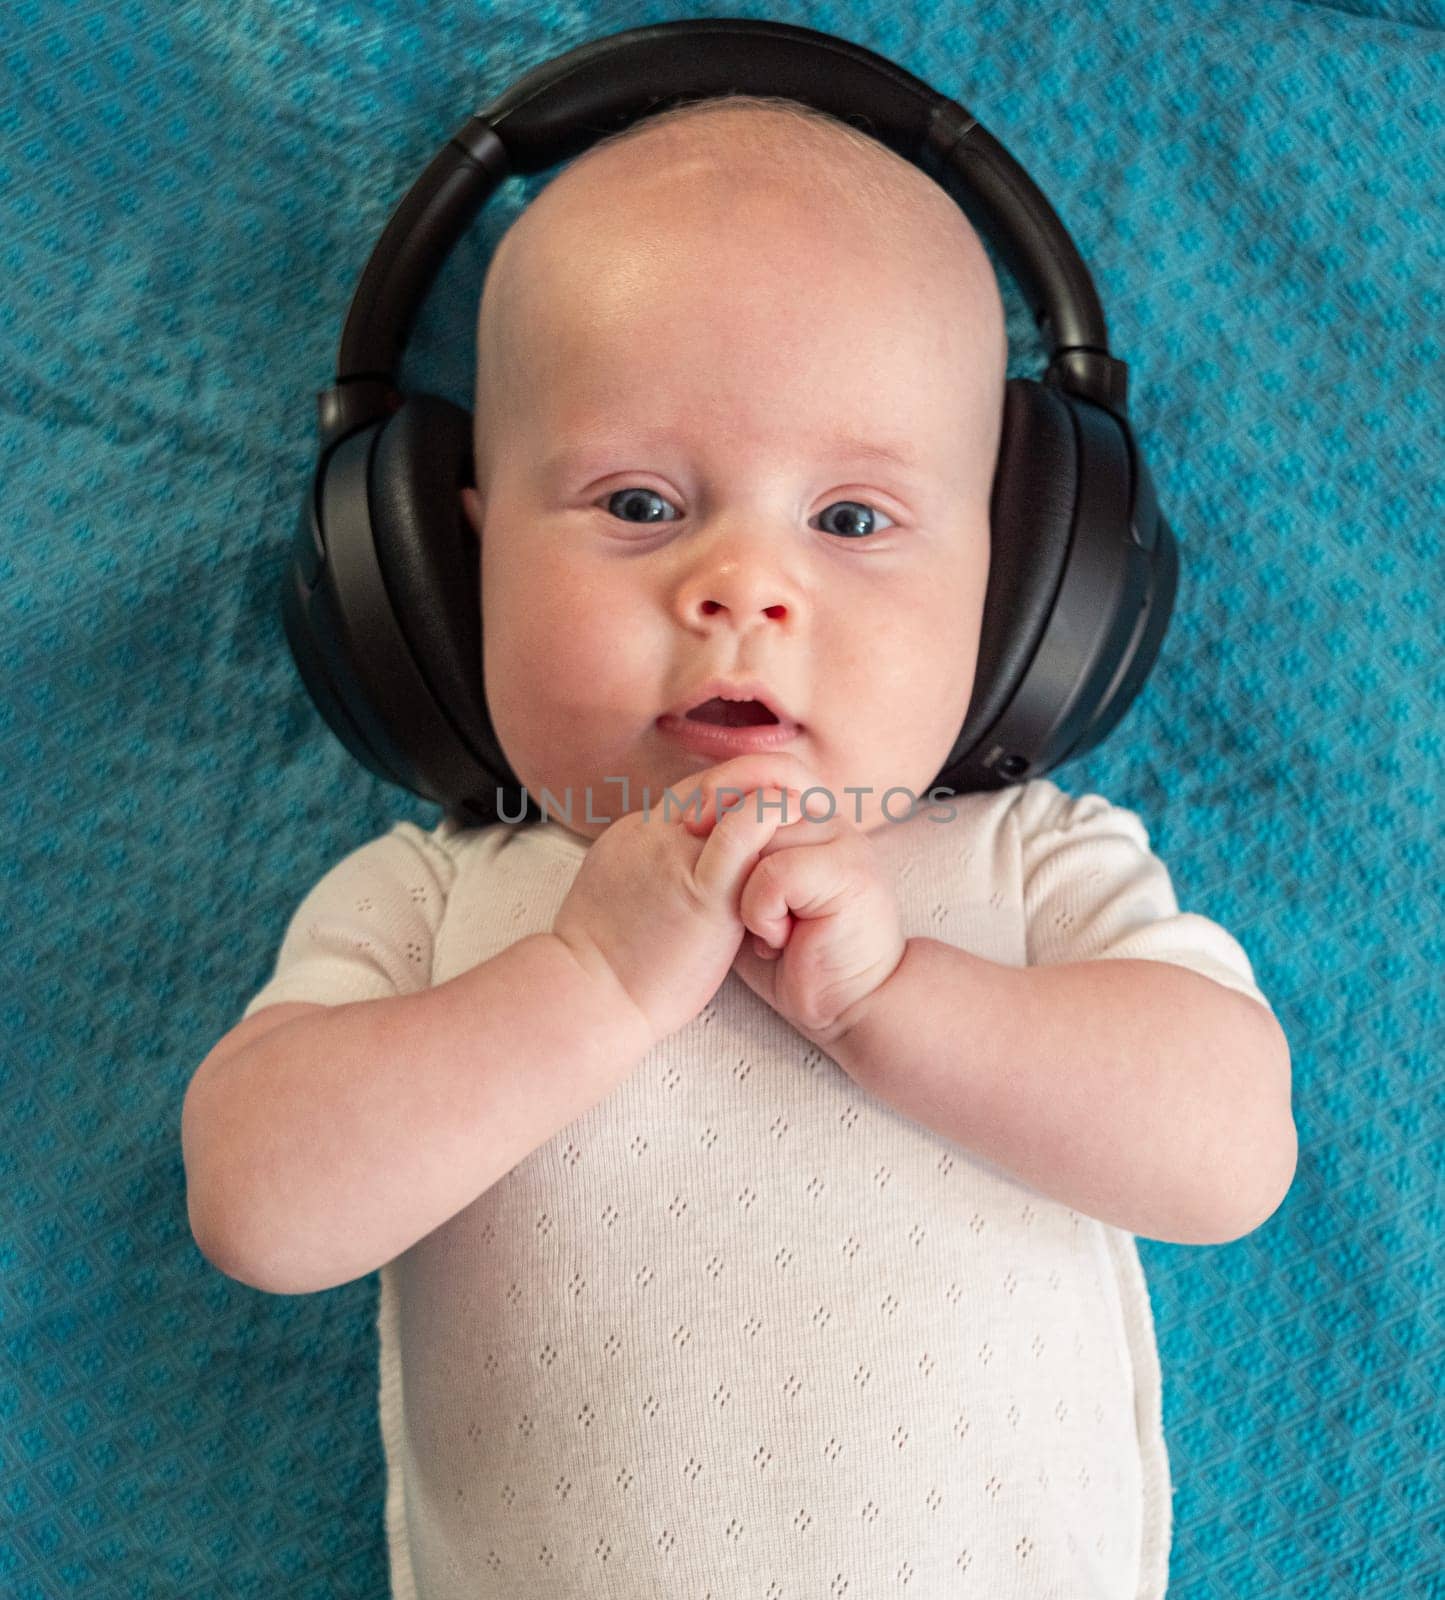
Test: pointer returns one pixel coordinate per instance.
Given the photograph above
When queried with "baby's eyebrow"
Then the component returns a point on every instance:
(844, 447)
(847, 447)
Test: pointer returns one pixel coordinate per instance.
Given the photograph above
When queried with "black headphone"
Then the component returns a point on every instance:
(381, 603)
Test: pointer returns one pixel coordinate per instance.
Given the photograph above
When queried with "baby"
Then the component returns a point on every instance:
(753, 1192)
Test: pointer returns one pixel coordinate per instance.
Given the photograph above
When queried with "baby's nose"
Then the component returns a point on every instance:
(743, 593)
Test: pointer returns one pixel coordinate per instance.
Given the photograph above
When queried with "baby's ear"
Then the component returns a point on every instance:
(472, 510)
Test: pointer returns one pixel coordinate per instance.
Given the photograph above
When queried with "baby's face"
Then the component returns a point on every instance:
(681, 486)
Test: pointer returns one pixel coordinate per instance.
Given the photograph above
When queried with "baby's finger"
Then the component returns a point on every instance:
(806, 882)
(763, 905)
(729, 785)
(732, 847)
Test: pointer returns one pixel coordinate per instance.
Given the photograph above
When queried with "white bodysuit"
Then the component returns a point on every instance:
(742, 1331)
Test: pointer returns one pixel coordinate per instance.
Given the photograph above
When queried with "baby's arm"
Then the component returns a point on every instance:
(1138, 1092)
(331, 1142)
(1130, 1067)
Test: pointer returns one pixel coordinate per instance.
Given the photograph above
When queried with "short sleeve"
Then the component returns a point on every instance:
(367, 929)
(1094, 890)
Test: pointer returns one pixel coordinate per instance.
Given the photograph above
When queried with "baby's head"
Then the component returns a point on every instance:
(689, 345)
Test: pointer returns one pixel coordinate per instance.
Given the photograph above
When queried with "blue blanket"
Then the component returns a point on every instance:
(186, 196)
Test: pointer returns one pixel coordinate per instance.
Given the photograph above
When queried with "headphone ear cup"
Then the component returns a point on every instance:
(430, 565)
(1031, 513)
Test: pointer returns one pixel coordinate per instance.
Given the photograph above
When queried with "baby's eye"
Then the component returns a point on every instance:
(857, 510)
(638, 498)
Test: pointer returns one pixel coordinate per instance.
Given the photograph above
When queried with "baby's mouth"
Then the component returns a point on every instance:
(731, 713)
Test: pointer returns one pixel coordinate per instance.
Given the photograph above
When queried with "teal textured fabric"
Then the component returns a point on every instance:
(187, 194)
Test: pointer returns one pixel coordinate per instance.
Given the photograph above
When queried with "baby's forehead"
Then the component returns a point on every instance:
(617, 259)
(651, 233)
(744, 172)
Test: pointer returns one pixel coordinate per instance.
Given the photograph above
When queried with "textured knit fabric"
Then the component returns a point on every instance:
(743, 1329)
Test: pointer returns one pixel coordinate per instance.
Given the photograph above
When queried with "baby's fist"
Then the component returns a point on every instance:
(821, 897)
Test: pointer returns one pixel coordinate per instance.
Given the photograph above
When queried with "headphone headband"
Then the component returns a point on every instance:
(566, 104)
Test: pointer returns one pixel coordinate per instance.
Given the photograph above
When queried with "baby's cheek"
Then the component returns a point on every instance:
(583, 653)
(525, 607)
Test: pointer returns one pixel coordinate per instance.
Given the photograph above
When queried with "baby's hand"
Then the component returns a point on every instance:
(818, 905)
(654, 905)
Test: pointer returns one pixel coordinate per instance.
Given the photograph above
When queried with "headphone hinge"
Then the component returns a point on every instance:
(351, 404)
(1094, 375)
